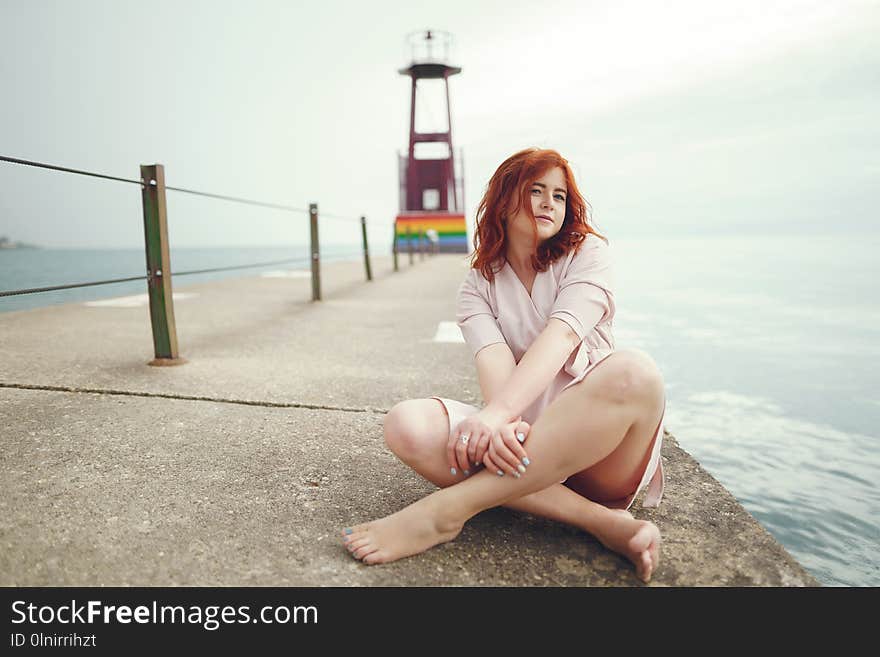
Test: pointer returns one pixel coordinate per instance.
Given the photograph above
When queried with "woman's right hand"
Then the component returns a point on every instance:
(505, 452)
(466, 459)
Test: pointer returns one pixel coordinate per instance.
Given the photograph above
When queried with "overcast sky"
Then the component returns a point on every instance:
(679, 118)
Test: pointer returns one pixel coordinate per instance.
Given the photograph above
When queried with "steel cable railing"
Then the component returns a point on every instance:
(34, 290)
(9, 293)
(256, 264)
(54, 167)
(235, 199)
(152, 184)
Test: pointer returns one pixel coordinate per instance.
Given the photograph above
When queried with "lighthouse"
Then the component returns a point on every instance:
(431, 181)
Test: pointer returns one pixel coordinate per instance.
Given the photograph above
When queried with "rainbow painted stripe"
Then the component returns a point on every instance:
(451, 230)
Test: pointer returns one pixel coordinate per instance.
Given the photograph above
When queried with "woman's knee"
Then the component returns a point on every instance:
(633, 375)
(406, 428)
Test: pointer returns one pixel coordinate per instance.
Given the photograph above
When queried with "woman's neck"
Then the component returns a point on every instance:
(519, 257)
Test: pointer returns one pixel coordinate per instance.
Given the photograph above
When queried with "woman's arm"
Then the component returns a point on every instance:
(508, 394)
(508, 389)
(495, 365)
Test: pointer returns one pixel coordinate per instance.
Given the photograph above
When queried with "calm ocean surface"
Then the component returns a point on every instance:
(769, 346)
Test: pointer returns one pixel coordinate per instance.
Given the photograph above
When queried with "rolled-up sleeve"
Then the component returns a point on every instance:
(585, 296)
(474, 314)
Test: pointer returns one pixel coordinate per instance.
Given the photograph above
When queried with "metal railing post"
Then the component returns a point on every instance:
(394, 246)
(421, 244)
(366, 248)
(316, 253)
(159, 266)
(409, 244)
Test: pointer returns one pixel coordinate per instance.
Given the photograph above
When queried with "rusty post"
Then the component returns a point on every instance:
(316, 253)
(159, 266)
(366, 248)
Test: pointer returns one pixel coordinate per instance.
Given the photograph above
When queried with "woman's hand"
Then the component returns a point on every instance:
(477, 430)
(470, 439)
(506, 454)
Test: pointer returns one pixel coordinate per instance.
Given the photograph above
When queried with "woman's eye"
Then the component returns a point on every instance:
(558, 197)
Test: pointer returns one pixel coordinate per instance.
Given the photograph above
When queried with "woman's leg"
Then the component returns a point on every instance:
(416, 431)
(610, 417)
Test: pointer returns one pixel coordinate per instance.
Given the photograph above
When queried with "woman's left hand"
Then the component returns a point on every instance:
(467, 445)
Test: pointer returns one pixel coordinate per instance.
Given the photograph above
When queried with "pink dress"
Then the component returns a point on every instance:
(577, 289)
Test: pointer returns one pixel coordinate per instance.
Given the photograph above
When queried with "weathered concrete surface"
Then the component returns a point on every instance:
(100, 488)
(364, 345)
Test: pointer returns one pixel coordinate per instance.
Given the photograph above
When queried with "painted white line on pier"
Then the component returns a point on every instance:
(448, 332)
(287, 273)
(136, 300)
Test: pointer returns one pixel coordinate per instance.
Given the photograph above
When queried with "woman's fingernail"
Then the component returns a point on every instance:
(521, 437)
(517, 475)
(348, 530)
(453, 471)
(521, 468)
(467, 473)
(500, 473)
(526, 461)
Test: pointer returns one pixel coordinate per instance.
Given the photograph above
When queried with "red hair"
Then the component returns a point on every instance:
(511, 185)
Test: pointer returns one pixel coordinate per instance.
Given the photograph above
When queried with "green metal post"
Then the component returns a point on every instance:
(366, 248)
(159, 266)
(316, 253)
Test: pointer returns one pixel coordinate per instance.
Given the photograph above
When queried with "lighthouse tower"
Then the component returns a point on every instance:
(431, 194)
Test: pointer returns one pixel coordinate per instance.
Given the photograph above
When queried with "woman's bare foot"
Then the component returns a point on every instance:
(637, 540)
(410, 531)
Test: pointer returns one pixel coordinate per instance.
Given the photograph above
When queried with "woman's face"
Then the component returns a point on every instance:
(547, 194)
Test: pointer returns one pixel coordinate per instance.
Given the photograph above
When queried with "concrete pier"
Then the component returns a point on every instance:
(240, 467)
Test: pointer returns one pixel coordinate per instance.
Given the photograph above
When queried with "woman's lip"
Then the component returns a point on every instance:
(545, 219)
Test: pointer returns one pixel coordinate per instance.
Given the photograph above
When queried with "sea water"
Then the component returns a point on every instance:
(769, 347)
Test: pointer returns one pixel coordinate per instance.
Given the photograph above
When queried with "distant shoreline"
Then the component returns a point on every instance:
(6, 243)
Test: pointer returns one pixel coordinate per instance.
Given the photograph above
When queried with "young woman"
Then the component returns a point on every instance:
(571, 429)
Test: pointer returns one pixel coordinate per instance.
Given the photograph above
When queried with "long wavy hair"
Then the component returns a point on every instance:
(511, 185)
